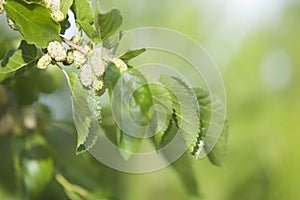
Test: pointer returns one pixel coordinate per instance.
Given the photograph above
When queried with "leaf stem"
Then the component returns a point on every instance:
(75, 46)
(65, 73)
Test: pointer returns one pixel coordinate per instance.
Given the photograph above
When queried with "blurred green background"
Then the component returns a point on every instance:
(256, 46)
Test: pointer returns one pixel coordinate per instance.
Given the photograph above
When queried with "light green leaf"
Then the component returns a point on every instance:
(25, 56)
(86, 114)
(185, 171)
(90, 31)
(132, 54)
(108, 23)
(128, 144)
(36, 174)
(132, 83)
(182, 166)
(65, 6)
(185, 106)
(218, 153)
(162, 112)
(83, 12)
(34, 22)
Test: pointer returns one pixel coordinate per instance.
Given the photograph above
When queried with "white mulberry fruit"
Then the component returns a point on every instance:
(58, 16)
(57, 51)
(86, 75)
(79, 58)
(44, 61)
(120, 64)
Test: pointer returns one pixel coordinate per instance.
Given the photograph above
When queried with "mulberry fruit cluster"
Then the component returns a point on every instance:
(54, 7)
(91, 74)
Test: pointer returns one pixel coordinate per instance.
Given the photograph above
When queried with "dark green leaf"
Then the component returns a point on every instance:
(108, 23)
(25, 56)
(86, 114)
(34, 22)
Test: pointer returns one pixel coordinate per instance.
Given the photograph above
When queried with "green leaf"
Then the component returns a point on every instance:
(37, 174)
(34, 21)
(108, 23)
(128, 144)
(86, 114)
(185, 171)
(65, 5)
(132, 83)
(162, 114)
(182, 166)
(83, 12)
(25, 56)
(90, 31)
(185, 106)
(218, 153)
(132, 54)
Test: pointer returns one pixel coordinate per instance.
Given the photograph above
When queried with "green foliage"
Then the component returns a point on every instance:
(168, 108)
(24, 57)
(108, 23)
(85, 113)
(131, 82)
(65, 5)
(37, 174)
(34, 22)
(217, 154)
(132, 54)
(185, 107)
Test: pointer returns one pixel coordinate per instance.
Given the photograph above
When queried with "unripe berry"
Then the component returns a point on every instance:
(44, 61)
(57, 51)
(58, 16)
(97, 84)
(70, 57)
(52, 5)
(77, 40)
(120, 64)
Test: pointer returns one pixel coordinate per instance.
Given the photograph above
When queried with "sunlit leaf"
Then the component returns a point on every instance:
(25, 56)
(86, 114)
(185, 106)
(217, 154)
(131, 83)
(108, 23)
(34, 21)
(65, 6)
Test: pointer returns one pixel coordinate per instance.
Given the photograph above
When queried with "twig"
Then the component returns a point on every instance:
(75, 46)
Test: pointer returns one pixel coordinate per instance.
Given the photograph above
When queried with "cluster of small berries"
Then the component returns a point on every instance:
(54, 7)
(92, 65)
